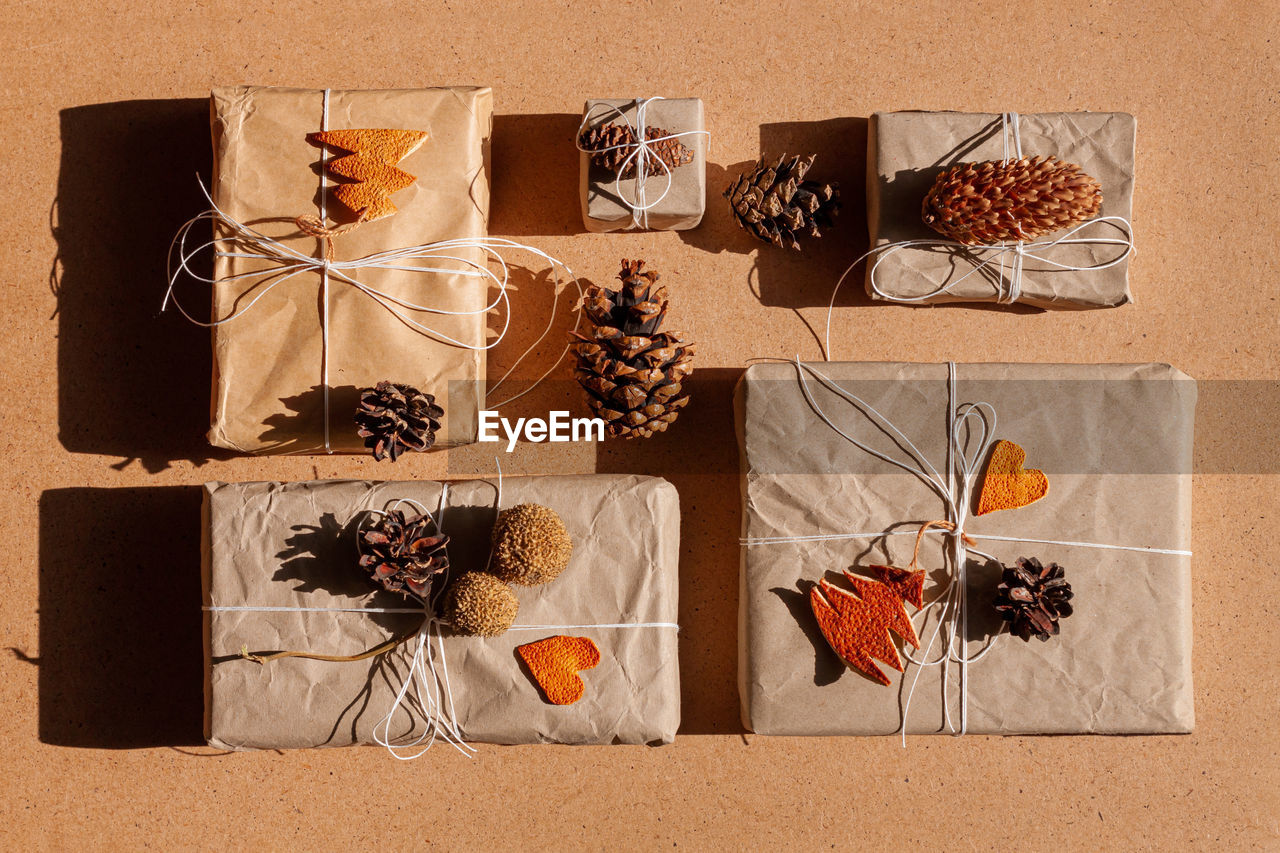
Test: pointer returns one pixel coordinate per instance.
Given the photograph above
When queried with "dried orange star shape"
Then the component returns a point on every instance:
(369, 167)
(857, 624)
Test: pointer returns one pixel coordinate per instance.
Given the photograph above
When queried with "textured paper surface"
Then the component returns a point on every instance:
(683, 205)
(907, 150)
(267, 389)
(262, 549)
(1115, 441)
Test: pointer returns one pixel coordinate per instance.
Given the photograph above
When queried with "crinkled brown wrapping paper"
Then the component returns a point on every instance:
(1115, 441)
(684, 203)
(267, 393)
(262, 548)
(907, 150)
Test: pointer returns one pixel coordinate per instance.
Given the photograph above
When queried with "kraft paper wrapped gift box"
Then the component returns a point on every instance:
(1115, 442)
(292, 547)
(268, 394)
(907, 150)
(609, 204)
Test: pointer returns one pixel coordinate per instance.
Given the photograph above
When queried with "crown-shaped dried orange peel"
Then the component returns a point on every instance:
(555, 663)
(857, 624)
(1007, 485)
(370, 166)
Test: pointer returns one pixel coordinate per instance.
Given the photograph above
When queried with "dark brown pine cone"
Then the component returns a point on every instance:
(1032, 597)
(605, 141)
(777, 205)
(394, 418)
(404, 554)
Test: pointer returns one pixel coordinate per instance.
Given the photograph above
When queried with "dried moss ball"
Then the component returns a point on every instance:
(480, 604)
(530, 545)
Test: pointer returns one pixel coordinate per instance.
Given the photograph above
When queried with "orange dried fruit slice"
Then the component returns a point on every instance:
(370, 166)
(555, 663)
(1007, 485)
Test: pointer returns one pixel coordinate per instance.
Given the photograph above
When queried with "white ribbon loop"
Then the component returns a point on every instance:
(640, 155)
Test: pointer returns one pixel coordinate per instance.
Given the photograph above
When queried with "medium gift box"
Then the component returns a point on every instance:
(294, 346)
(1075, 268)
(281, 573)
(668, 196)
(844, 463)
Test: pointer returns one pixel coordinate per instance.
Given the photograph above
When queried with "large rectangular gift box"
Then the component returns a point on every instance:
(1115, 442)
(907, 150)
(280, 573)
(673, 204)
(269, 362)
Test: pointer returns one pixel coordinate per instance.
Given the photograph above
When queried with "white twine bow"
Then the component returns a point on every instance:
(640, 155)
(970, 434)
(426, 689)
(995, 256)
(284, 263)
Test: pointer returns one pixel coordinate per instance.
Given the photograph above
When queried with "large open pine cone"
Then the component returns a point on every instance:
(612, 144)
(995, 201)
(393, 418)
(632, 372)
(777, 205)
(404, 554)
(1032, 597)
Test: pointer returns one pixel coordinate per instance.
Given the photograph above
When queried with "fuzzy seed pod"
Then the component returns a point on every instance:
(530, 545)
(478, 603)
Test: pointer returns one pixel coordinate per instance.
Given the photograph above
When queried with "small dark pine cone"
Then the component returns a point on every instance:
(394, 418)
(1032, 597)
(404, 554)
(611, 144)
(776, 204)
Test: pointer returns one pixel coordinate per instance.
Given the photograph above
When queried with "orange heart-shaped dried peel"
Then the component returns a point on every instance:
(1007, 485)
(555, 663)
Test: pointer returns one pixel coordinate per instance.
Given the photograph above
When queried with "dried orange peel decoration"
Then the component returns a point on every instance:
(857, 624)
(1007, 485)
(555, 663)
(369, 167)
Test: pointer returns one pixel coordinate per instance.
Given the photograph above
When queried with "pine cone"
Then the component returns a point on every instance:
(1032, 598)
(610, 136)
(393, 418)
(403, 554)
(991, 202)
(632, 373)
(776, 204)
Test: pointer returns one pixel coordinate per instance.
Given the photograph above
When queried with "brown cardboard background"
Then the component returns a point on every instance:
(106, 404)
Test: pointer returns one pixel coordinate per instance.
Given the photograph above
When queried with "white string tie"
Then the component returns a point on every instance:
(640, 154)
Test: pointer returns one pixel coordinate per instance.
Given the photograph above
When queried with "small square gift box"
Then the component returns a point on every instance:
(906, 570)
(644, 164)
(350, 249)
(410, 613)
(1000, 207)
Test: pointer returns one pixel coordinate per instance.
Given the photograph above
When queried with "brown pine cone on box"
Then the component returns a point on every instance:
(392, 418)
(777, 205)
(404, 554)
(612, 144)
(1032, 597)
(994, 202)
(631, 371)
